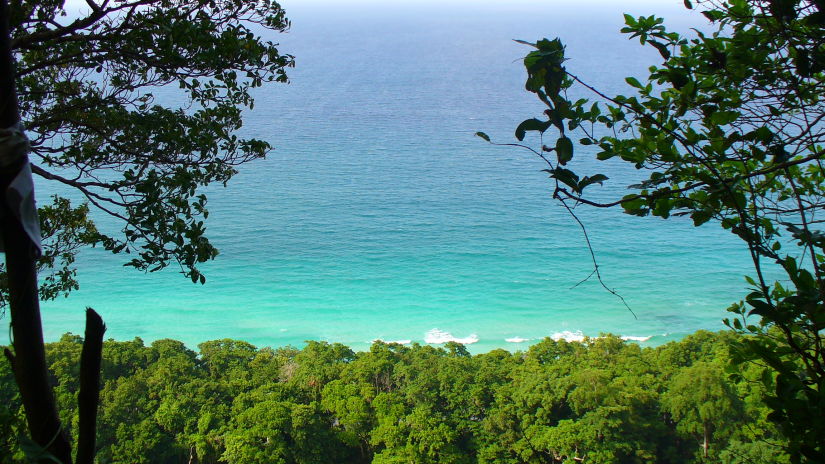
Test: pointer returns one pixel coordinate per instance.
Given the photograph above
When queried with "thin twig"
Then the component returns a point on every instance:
(593, 257)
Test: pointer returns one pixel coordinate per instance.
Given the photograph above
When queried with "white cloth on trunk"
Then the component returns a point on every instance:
(14, 145)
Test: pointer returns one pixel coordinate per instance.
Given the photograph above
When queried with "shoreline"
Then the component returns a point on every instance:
(435, 338)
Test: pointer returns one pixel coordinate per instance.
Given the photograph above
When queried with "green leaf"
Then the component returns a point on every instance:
(662, 207)
(633, 82)
(566, 177)
(662, 49)
(524, 42)
(701, 216)
(713, 15)
(629, 20)
(531, 125)
(590, 180)
(722, 118)
(633, 205)
(564, 150)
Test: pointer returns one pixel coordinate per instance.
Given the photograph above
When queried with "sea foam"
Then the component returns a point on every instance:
(636, 339)
(399, 342)
(436, 336)
(569, 336)
(578, 336)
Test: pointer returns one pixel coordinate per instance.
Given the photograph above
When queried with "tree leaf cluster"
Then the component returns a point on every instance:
(726, 129)
(133, 108)
(601, 401)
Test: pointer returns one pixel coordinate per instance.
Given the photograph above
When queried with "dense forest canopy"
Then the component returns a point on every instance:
(601, 401)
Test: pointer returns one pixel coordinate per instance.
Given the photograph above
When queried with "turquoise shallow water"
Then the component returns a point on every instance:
(381, 216)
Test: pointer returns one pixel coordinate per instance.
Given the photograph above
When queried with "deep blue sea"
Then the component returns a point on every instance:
(380, 216)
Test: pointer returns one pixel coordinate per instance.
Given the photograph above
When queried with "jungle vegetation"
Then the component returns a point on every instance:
(602, 401)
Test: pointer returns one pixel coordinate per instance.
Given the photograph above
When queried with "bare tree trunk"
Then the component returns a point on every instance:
(89, 394)
(705, 435)
(29, 358)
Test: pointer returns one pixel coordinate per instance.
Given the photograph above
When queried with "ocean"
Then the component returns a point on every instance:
(379, 215)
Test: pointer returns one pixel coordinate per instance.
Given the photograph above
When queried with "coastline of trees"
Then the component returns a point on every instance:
(601, 401)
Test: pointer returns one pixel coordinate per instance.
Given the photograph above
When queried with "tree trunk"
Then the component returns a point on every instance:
(89, 395)
(705, 434)
(29, 358)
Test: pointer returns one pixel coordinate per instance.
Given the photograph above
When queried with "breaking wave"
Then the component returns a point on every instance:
(399, 342)
(636, 339)
(569, 336)
(436, 336)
